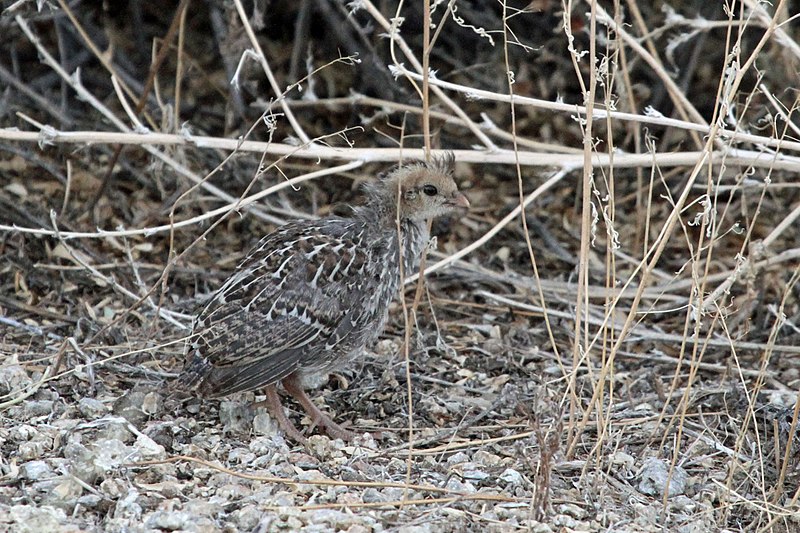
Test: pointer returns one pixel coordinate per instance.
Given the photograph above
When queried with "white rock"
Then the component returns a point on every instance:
(654, 475)
(510, 475)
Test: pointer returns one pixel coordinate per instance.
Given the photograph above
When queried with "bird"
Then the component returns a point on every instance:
(312, 295)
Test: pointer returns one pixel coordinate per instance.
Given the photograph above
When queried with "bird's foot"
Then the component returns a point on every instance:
(318, 418)
(275, 408)
(334, 430)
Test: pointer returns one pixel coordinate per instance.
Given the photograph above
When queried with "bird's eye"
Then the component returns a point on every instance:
(430, 190)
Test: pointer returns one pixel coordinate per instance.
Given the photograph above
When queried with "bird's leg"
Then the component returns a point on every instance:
(275, 408)
(293, 387)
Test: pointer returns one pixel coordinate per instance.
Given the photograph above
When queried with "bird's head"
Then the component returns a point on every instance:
(422, 190)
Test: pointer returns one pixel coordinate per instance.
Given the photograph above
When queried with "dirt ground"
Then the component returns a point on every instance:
(608, 341)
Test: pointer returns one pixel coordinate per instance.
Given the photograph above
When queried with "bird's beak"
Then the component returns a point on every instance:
(459, 200)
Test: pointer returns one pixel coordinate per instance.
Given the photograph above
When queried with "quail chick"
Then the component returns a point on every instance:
(310, 296)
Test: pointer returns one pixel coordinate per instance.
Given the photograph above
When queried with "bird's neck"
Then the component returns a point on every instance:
(414, 235)
(414, 238)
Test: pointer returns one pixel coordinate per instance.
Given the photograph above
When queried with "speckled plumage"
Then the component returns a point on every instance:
(311, 295)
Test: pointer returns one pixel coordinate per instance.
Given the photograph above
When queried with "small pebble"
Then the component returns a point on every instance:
(91, 408)
(247, 518)
(116, 429)
(13, 378)
(33, 449)
(108, 454)
(572, 510)
(36, 408)
(151, 405)
(35, 470)
(457, 458)
(89, 501)
(65, 493)
(168, 520)
(263, 424)
(236, 417)
(456, 485)
(129, 407)
(475, 475)
(33, 519)
(485, 458)
(511, 476)
(372, 495)
(654, 475)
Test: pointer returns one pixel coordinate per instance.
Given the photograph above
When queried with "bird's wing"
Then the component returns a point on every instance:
(295, 292)
(244, 349)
